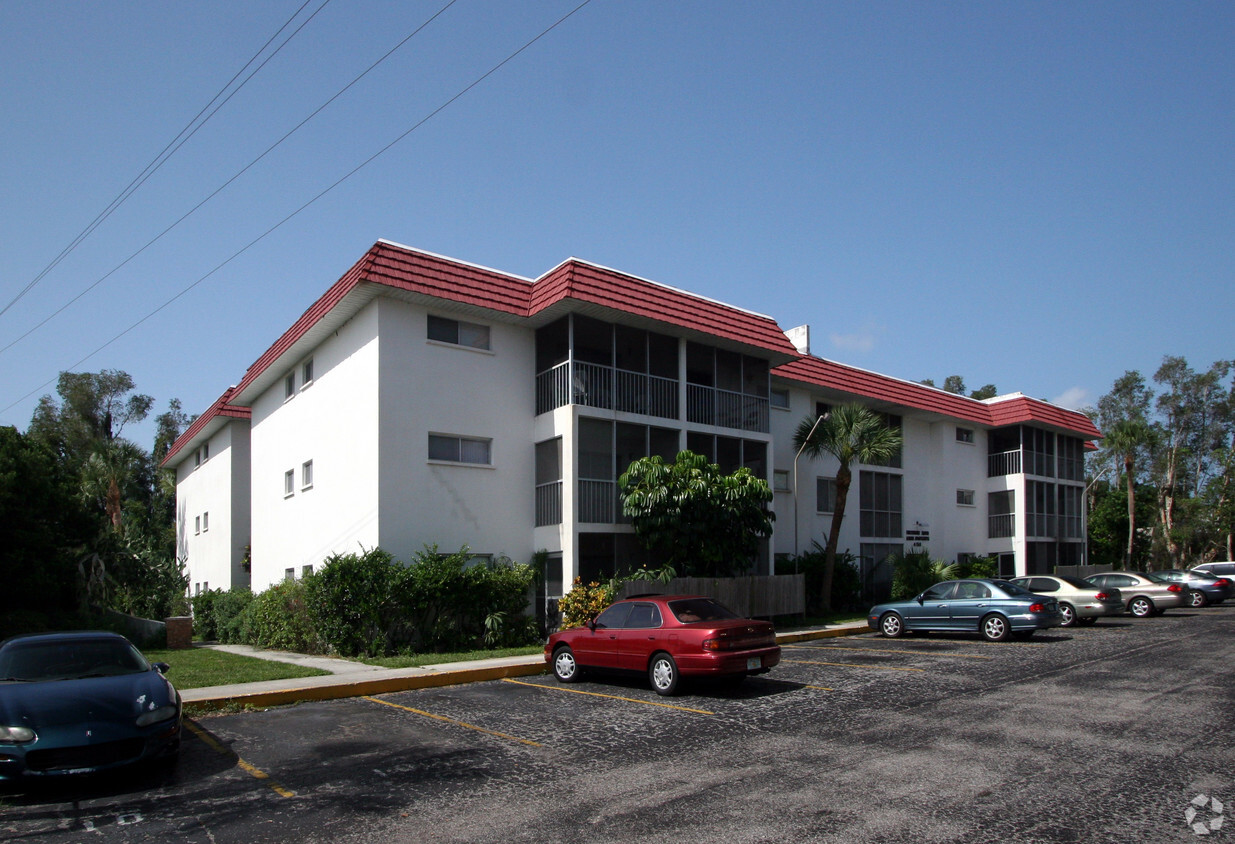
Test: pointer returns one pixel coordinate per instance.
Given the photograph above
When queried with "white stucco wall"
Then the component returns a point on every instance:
(441, 388)
(212, 510)
(333, 421)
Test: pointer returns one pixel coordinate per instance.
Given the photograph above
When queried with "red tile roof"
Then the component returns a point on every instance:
(1008, 410)
(413, 271)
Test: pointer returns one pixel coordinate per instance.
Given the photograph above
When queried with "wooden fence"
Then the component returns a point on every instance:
(751, 597)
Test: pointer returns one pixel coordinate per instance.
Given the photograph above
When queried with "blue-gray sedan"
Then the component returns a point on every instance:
(995, 608)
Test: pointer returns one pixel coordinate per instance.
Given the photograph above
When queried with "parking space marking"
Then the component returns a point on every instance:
(611, 697)
(885, 651)
(457, 723)
(257, 773)
(851, 665)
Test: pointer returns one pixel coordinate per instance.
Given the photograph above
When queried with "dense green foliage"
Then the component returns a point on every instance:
(370, 604)
(694, 517)
(847, 592)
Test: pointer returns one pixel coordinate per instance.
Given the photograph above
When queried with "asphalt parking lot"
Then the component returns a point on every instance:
(1109, 733)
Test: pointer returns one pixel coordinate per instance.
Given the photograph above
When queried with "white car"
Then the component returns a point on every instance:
(1079, 601)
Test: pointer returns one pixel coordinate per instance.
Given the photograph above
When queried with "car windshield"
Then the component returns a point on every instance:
(688, 610)
(1011, 589)
(70, 660)
(1154, 576)
(1075, 581)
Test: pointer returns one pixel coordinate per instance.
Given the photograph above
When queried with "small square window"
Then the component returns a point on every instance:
(780, 480)
(289, 574)
(206, 450)
(306, 474)
(458, 333)
(289, 385)
(197, 458)
(197, 525)
(825, 495)
(289, 483)
(780, 398)
(460, 449)
(965, 497)
(964, 435)
(306, 372)
(305, 571)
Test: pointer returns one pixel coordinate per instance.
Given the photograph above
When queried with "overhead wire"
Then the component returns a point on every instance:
(185, 290)
(223, 186)
(172, 147)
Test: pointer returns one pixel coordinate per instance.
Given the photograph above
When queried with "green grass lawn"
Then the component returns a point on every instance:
(418, 660)
(196, 668)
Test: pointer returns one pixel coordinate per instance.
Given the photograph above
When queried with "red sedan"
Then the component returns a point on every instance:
(667, 637)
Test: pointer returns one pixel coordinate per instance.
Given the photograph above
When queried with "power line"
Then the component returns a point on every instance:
(310, 202)
(172, 147)
(223, 186)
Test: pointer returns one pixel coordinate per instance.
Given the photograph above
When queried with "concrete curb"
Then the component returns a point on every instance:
(401, 680)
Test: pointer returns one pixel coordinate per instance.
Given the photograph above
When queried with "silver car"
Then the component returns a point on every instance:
(1142, 595)
(1080, 602)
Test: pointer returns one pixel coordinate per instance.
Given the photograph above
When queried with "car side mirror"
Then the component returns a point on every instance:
(591, 624)
(161, 667)
(921, 598)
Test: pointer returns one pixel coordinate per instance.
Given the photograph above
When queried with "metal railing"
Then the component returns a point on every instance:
(606, 387)
(1003, 463)
(549, 504)
(1002, 526)
(727, 409)
(597, 502)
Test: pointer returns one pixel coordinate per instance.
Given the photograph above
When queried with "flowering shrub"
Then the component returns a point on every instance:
(583, 603)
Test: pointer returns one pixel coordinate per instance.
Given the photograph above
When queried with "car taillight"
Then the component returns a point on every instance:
(711, 644)
(1174, 587)
(1222, 581)
(1037, 607)
(1101, 596)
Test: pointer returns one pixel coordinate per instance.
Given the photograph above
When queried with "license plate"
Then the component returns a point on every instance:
(753, 663)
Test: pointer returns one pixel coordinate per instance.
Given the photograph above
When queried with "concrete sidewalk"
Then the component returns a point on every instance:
(354, 679)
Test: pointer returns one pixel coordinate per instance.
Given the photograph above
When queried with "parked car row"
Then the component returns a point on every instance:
(1019, 606)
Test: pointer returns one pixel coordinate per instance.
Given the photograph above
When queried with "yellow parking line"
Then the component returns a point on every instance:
(453, 721)
(254, 772)
(886, 651)
(611, 697)
(851, 665)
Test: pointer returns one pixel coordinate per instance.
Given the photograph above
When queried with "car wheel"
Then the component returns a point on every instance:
(1069, 615)
(565, 669)
(663, 674)
(995, 628)
(891, 625)
(1197, 598)
(1141, 607)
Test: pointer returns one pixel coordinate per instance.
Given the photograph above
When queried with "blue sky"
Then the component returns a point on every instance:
(1035, 195)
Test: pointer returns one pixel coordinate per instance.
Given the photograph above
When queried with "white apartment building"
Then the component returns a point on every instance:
(427, 401)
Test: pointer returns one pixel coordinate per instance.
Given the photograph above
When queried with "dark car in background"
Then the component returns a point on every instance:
(1142, 594)
(665, 638)
(997, 609)
(1203, 588)
(73, 703)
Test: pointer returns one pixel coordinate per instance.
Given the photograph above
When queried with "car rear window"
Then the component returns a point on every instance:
(68, 660)
(689, 610)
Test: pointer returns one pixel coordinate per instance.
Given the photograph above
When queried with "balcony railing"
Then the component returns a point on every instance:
(549, 504)
(1002, 526)
(597, 502)
(710, 406)
(593, 385)
(1003, 463)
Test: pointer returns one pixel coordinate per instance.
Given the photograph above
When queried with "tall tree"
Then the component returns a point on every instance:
(700, 521)
(1125, 439)
(849, 432)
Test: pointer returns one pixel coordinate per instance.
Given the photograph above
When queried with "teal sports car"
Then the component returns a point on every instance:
(996, 609)
(76, 703)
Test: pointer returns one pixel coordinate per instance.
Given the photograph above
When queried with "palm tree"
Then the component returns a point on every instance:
(1122, 441)
(106, 472)
(848, 432)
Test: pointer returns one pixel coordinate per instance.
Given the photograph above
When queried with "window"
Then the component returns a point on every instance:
(205, 522)
(197, 525)
(289, 385)
(780, 398)
(458, 333)
(306, 373)
(879, 512)
(197, 458)
(780, 480)
(964, 435)
(289, 574)
(206, 450)
(964, 498)
(453, 449)
(306, 475)
(825, 495)
(289, 483)
(305, 571)
(1001, 510)
(205, 585)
